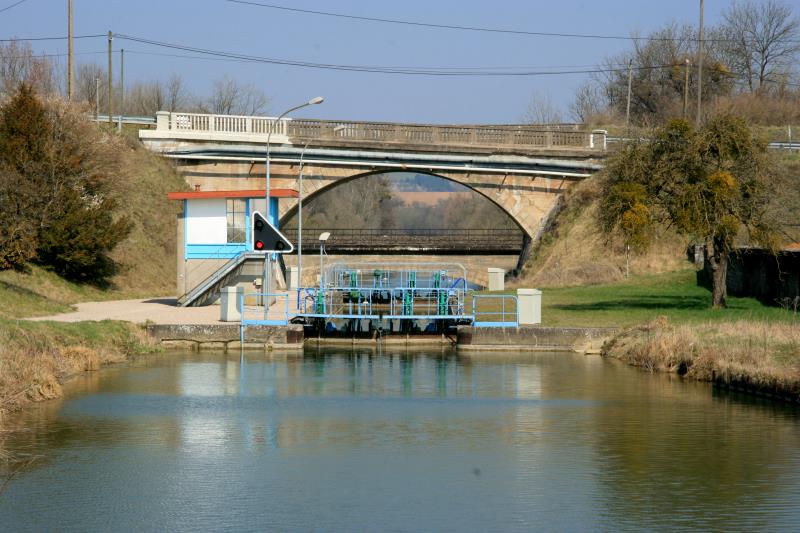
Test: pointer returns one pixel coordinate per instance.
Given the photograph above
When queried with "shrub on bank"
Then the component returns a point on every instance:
(35, 357)
(757, 356)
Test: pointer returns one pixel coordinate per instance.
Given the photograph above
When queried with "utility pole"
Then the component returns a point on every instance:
(121, 81)
(110, 82)
(700, 68)
(628, 107)
(686, 91)
(96, 97)
(70, 53)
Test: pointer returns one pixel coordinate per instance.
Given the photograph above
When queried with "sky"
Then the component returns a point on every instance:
(252, 30)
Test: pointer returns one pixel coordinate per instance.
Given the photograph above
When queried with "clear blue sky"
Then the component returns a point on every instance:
(220, 25)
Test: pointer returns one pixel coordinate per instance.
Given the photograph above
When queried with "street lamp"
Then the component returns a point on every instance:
(300, 214)
(300, 224)
(323, 237)
(268, 256)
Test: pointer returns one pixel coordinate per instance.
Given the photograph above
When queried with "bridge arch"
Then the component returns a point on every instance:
(311, 193)
(528, 200)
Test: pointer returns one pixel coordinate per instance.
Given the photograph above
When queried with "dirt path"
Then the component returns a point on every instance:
(158, 310)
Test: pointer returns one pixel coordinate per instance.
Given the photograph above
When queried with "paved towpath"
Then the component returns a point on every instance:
(158, 310)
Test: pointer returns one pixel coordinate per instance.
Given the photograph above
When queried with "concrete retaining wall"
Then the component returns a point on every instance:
(533, 338)
(226, 336)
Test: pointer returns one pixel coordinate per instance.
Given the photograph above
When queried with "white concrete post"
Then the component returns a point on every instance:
(497, 279)
(294, 278)
(229, 304)
(162, 120)
(603, 134)
(529, 302)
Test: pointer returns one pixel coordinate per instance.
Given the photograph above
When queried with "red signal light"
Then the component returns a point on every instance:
(259, 245)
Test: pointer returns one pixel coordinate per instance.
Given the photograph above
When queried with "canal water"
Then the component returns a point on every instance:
(425, 441)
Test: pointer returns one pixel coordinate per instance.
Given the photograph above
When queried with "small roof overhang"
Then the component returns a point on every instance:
(255, 193)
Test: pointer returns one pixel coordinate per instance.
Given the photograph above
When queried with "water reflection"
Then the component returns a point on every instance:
(343, 440)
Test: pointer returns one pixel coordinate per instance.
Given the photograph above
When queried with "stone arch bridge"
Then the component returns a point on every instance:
(524, 169)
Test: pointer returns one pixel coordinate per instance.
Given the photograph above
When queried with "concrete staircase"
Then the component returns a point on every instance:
(245, 265)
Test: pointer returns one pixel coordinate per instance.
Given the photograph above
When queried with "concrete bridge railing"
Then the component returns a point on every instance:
(511, 136)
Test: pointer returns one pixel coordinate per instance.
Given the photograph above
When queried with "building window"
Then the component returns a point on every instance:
(236, 216)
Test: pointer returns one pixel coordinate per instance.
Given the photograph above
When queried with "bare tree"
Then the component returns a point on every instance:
(762, 41)
(19, 64)
(145, 98)
(541, 110)
(229, 97)
(176, 93)
(89, 78)
(658, 75)
(586, 103)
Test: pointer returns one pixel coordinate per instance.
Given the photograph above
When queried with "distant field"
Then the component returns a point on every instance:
(428, 198)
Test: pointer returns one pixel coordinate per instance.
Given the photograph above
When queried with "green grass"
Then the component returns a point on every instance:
(37, 292)
(675, 295)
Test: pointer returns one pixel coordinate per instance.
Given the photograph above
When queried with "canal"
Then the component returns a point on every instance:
(338, 440)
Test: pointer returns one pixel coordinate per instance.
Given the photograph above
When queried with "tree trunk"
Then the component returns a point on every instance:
(717, 254)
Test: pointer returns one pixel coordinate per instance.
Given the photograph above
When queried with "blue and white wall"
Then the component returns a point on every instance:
(205, 228)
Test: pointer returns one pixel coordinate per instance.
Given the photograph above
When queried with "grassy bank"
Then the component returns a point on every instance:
(668, 326)
(35, 357)
(754, 356)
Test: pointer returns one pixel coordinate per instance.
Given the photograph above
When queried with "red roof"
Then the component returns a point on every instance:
(192, 195)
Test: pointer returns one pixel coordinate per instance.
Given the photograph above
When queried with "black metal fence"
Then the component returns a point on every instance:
(421, 241)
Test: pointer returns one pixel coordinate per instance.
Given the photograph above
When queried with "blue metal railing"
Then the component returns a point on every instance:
(486, 314)
(376, 303)
(258, 313)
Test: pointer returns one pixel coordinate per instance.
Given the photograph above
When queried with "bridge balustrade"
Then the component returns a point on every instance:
(519, 136)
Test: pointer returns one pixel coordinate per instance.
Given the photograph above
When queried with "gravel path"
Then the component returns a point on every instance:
(158, 310)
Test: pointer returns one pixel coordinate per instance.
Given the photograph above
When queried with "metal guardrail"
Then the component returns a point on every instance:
(215, 277)
(124, 119)
(484, 241)
(383, 304)
(485, 312)
(772, 145)
(254, 311)
(403, 303)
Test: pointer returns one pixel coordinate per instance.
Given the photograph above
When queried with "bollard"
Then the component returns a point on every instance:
(294, 278)
(229, 304)
(497, 278)
(529, 302)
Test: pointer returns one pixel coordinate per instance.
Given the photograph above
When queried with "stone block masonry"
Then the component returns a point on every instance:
(226, 336)
(532, 338)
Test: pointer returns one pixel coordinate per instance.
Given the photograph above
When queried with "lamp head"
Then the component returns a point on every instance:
(316, 100)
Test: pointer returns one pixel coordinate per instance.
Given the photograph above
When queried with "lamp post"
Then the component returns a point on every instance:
(323, 237)
(300, 223)
(268, 256)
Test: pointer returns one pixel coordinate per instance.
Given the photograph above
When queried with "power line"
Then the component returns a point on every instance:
(488, 68)
(466, 28)
(12, 5)
(419, 71)
(12, 39)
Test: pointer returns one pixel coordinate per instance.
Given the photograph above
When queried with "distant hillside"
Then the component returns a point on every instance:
(408, 182)
(429, 198)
